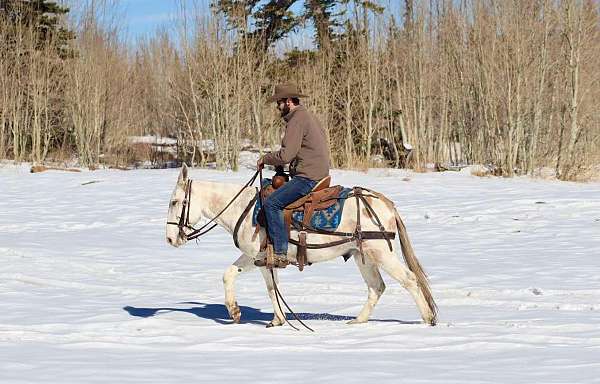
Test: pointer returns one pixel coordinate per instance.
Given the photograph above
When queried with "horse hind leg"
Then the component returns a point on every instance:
(394, 267)
(241, 265)
(375, 285)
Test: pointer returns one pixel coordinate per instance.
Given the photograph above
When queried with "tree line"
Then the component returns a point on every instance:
(509, 83)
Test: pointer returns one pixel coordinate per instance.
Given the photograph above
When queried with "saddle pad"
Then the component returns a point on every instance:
(326, 219)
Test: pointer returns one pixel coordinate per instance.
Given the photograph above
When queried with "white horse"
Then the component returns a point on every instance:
(204, 200)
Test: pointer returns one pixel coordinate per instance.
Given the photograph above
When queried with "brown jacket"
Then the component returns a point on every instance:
(304, 145)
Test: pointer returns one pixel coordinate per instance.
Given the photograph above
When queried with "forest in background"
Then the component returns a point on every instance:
(513, 84)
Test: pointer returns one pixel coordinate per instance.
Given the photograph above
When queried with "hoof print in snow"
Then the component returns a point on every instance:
(536, 291)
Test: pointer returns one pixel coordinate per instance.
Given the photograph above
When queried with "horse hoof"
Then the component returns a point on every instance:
(235, 313)
(271, 324)
(430, 321)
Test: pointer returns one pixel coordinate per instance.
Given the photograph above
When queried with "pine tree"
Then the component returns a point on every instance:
(44, 16)
(321, 12)
(272, 20)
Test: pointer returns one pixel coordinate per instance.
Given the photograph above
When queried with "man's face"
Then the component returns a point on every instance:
(283, 107)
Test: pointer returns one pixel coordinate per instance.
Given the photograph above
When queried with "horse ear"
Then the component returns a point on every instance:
(183, 175)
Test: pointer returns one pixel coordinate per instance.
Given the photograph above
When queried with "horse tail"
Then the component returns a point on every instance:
(415, 267)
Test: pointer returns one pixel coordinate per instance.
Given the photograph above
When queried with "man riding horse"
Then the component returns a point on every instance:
(304, 148)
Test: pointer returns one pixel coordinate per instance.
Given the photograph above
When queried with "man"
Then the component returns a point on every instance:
(304, 147)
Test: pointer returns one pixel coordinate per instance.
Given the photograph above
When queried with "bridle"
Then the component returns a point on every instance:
(184, 218)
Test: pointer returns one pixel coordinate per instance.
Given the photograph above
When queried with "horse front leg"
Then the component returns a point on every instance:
(241, 265)
(278, 315)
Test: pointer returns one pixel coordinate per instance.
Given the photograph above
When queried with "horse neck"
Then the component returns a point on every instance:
(211, 197)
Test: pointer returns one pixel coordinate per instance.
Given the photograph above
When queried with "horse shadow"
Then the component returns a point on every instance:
(219, 314)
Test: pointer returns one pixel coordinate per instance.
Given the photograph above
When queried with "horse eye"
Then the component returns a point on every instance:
(173, 203)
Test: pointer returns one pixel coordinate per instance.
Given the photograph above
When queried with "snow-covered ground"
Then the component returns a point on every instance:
(91, 293)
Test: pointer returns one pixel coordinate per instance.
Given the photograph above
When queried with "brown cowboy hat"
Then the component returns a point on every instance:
(285, 91)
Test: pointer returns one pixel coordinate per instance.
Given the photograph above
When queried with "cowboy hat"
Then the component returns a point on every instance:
(285, 91)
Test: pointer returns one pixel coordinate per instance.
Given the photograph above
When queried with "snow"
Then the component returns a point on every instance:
(151, 139)
(92, 293)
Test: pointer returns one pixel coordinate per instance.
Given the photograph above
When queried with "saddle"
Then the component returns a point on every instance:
(322, 196)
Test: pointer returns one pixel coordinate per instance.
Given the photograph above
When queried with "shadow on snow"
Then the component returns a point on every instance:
(218, 313)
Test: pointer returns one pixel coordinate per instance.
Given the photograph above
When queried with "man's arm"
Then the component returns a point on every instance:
(290, 145)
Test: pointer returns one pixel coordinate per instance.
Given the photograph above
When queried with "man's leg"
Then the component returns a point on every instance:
(273, 207)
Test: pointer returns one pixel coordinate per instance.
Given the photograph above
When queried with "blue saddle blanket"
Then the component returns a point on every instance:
(327, 219)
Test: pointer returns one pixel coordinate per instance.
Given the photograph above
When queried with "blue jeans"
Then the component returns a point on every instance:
(273, 208)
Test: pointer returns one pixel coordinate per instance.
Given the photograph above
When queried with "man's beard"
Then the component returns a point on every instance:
(285, 110)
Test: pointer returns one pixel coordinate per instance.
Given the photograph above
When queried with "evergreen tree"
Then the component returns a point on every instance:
(271, 20)
(321, 12)
(44, 16)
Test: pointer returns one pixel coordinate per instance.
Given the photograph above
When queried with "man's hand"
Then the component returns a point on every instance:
(260, 164)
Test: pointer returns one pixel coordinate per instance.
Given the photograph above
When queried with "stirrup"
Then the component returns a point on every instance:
(278, 262)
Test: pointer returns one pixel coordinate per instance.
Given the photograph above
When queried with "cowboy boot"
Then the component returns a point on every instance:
(270, 260)
(280, 261)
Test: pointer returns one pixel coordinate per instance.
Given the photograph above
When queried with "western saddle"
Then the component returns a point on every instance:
(322, 196)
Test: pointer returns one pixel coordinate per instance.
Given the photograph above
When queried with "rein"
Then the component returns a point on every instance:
(278, 296)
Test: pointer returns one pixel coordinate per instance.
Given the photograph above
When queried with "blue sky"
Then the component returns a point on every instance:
(143, 17)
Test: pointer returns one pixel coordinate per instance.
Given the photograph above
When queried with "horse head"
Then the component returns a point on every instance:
(180, 216)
